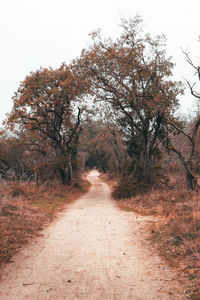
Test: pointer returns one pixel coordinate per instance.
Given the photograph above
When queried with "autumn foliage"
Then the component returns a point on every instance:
(131, 77)
(46, 113)
(112, 108)
(121, 86)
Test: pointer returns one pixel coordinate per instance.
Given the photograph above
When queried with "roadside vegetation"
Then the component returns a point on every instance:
(176, 230)
(113, 108)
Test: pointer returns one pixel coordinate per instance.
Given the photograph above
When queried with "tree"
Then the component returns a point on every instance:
(130, 75)
(47, 112)
(190, 132)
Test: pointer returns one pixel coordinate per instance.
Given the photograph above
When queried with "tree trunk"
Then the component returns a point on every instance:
(116, 152)
(100, 163)
(147, 170)
(66, 175)
(192, 183)
(191, 178)
(147, 163)
(69, 172)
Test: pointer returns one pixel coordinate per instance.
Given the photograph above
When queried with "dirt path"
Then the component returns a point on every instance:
(92, 252)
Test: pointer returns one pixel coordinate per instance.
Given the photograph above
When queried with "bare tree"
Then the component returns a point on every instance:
(188, 158)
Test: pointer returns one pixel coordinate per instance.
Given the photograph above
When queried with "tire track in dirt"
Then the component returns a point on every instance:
(93, 251)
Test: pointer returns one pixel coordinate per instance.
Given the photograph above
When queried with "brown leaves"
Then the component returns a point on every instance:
(45, 111)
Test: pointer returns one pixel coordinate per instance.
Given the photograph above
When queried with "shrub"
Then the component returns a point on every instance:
(129, 187)
(17, 190)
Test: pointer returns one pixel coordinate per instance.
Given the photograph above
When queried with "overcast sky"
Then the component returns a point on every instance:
(46, 33)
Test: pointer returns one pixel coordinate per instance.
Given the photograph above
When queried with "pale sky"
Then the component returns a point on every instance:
(46, 33)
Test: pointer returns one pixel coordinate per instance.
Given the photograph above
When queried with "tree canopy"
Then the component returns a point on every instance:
(131, 76)
(47, 111)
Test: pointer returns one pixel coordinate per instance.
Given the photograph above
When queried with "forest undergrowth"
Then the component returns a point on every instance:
(26, 208)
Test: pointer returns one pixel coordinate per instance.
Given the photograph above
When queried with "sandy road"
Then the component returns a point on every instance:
(93, 251)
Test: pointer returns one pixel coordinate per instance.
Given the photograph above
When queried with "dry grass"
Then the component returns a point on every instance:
(176, 234)
(25, 209)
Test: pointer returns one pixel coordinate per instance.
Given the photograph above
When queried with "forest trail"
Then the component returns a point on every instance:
(93, 251)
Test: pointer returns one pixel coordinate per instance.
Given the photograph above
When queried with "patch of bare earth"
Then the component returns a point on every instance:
(93, 251)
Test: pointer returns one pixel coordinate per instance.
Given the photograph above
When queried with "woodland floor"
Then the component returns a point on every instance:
(92, 251)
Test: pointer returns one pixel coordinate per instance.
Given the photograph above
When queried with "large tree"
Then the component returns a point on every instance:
(47, 111)
(131, 75)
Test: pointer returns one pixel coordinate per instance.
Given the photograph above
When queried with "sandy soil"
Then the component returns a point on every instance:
(93, 251)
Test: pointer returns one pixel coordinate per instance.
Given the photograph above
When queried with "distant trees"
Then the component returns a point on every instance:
(104, 147)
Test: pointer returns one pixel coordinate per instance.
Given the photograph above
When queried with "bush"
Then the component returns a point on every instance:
(17, 190)
(129, 187)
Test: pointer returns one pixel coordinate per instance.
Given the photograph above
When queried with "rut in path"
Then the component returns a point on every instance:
(93, 251)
